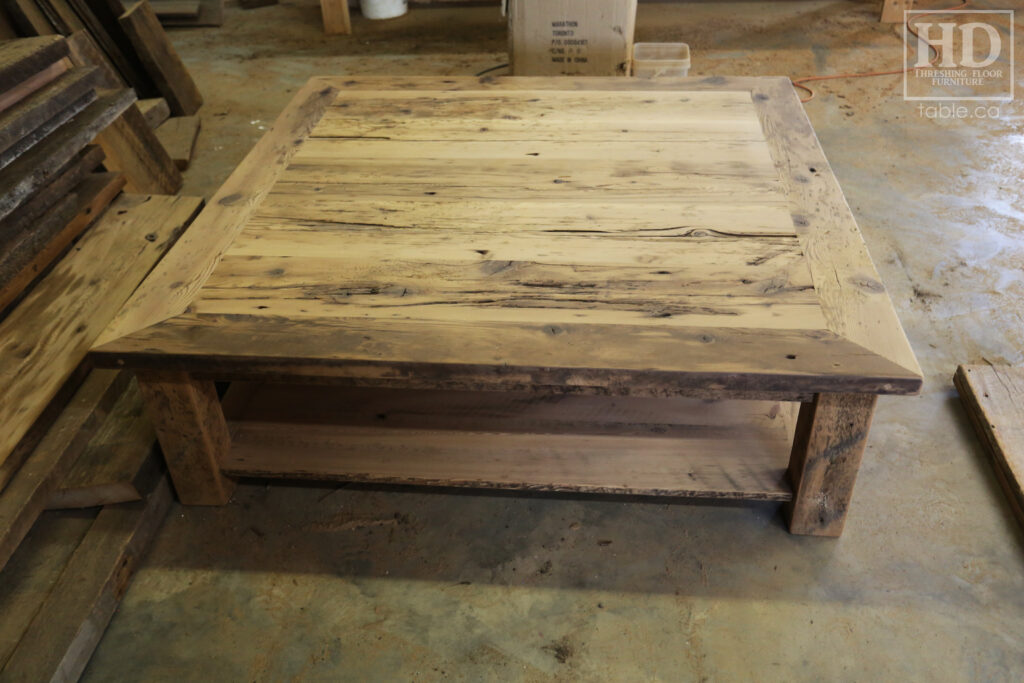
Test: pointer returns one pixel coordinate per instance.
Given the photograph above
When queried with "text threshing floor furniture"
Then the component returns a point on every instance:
(607, 285)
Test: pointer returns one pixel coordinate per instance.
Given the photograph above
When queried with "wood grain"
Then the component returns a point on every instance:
(831, 434)
(679, 447)
(179, 276)
(991, 395)
(49, 333)
(579, 232)
(187, 416)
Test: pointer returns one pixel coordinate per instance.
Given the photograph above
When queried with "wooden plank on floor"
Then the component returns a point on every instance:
(161, 59)
(26, 495)
(178, 136)
(211, 13)
(993, 396)
(21, 59)
(91, 197)
(70, 93)
(34, 569)
(155, 110)
(115, 461)
(61, 638)
(33, 170)
(132, 148)
(48, 334)
(178, 9)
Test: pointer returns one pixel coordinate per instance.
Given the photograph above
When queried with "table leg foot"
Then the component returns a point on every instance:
(192, 432)
(831, 432)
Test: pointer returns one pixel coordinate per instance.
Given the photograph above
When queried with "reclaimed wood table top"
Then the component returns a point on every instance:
(635, 236)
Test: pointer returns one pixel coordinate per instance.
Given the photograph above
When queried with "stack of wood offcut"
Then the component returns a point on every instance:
(73, 248)
(128, 45)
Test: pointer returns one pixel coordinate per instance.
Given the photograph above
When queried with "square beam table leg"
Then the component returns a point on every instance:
(831, 432)
(193, 434)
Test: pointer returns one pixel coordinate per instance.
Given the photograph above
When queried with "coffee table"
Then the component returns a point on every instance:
(616, 286)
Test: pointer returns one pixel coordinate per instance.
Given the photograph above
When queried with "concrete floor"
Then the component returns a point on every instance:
(927, 583)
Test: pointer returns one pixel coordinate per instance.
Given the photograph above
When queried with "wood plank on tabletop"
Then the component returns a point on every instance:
(186, 267)
(51, 330)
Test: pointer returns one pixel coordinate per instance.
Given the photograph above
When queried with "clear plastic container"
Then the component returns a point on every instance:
(651, 60)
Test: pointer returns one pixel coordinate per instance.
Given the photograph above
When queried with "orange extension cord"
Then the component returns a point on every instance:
(799, 82)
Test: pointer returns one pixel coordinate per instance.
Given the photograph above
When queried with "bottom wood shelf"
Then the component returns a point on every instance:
(637, 446)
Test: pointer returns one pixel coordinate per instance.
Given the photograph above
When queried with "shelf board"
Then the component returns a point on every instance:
(521, 441)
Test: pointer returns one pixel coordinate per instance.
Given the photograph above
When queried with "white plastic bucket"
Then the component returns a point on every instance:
(383, 9)
(651, 60)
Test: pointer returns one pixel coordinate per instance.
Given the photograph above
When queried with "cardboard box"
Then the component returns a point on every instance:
(571, 37)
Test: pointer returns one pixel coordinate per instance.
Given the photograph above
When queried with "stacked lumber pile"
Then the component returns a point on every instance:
(125, 39)
(128, 46)
(56, 130)
(77, 438)
(73, 248)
